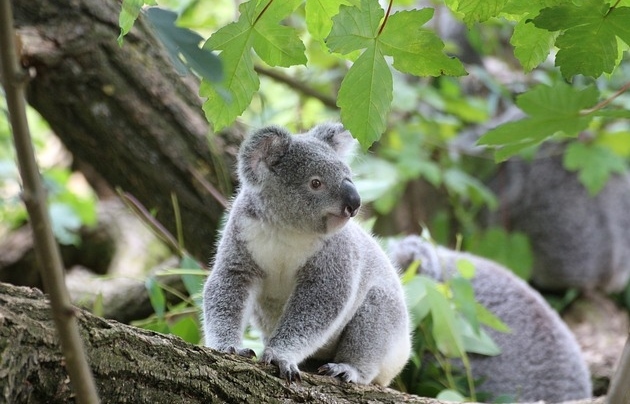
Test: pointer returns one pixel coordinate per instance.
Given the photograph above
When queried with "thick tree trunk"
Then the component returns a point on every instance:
(126, 111)
(137, 366)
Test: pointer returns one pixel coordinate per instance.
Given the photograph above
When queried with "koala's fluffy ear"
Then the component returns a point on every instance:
(260, 151)
(336, 136)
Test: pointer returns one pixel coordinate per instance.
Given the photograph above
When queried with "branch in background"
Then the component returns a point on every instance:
(298, 85)
(14, 81)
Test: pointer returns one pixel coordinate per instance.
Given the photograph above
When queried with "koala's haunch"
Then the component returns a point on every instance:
(291, 260)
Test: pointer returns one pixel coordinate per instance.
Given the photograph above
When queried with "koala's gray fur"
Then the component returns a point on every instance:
(578, 240)
(313, 281)
(540, 358)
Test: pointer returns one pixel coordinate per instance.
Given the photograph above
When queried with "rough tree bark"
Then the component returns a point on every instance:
(126, 111)
(137, 366)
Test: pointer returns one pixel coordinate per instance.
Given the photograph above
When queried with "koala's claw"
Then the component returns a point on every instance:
(246, 352)
(288, 370)
(343, 371)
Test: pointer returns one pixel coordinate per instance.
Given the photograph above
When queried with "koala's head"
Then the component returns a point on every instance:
(300, 182)
(415, 248)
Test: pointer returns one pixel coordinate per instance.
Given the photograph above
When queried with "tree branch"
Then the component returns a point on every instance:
(298, 86)
(140, 366)
(34, 196)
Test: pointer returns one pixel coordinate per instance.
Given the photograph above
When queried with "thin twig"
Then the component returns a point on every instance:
(160, 231)
(209, 188)
(298, 85)
(607, 101)
(34, 196)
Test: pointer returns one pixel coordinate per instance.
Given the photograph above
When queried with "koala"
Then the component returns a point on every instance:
(292, 260)
(540, 357)
(578, 240)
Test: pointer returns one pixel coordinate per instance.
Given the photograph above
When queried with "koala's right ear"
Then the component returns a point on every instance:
(336, 136)
(260, 151)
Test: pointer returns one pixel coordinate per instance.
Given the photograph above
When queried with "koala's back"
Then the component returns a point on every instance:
(540, 358)
(578, 240)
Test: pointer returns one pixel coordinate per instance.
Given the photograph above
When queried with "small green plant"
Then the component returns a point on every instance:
(181, 319)
(447, 323)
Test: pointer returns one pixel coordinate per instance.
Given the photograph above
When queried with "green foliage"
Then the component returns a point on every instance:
(447, 322)
(513, 250)
(257, 29)
(588, 43)
(181, 319)
(559, 108)
(594, 164)
(476, 10)
(129, 12)
(183, 45)
(531, 44)
(366, 92)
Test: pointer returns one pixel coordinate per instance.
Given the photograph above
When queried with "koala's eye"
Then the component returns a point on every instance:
(315, 183)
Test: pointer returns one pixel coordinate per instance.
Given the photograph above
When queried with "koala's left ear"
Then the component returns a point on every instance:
(336, 136)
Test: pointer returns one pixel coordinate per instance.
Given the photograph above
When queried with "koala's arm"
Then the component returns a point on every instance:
(323, 296)
(226, 296)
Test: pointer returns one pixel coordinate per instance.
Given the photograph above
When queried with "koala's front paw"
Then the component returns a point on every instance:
(246, 352)
(288, 369)
(345, 372)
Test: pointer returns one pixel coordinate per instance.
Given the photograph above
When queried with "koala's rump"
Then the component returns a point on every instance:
(540, 358)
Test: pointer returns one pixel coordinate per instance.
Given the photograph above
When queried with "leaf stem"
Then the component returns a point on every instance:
(262, 12)
(607, 101)
(389, 10)
(612, 8)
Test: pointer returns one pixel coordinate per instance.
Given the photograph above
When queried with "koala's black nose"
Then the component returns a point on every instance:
(351, 198)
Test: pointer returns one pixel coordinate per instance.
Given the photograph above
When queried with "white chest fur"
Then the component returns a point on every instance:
(280, 254)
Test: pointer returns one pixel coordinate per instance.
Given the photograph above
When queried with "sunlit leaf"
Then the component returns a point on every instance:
(156, 296)
(415, 50)
(365, 97)
(588, 43)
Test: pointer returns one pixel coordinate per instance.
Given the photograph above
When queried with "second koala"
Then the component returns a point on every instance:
(316, 284)
(540, 358)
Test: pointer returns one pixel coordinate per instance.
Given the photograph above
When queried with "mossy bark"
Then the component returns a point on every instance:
(138, 366)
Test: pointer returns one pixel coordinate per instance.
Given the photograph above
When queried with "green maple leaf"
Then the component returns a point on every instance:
(531, 7)
(550, 109)
(258, 27)
(588, 43)
(319, 14)
(477, 10)
(417, 51)
(128, 14)
(278, 45)
(531, 44)
(594, 164)
(230, 98)
(355, 28)
(365, 96)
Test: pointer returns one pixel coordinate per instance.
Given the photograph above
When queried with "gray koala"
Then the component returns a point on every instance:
(578, 240)
(540, 357)
(314, 282)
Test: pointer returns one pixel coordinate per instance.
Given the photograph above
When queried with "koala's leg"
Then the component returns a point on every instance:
(375, 345)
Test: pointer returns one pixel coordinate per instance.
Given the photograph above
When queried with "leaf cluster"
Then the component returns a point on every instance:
(448, 324)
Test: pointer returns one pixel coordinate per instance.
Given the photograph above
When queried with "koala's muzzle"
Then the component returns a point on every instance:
(351, 198)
